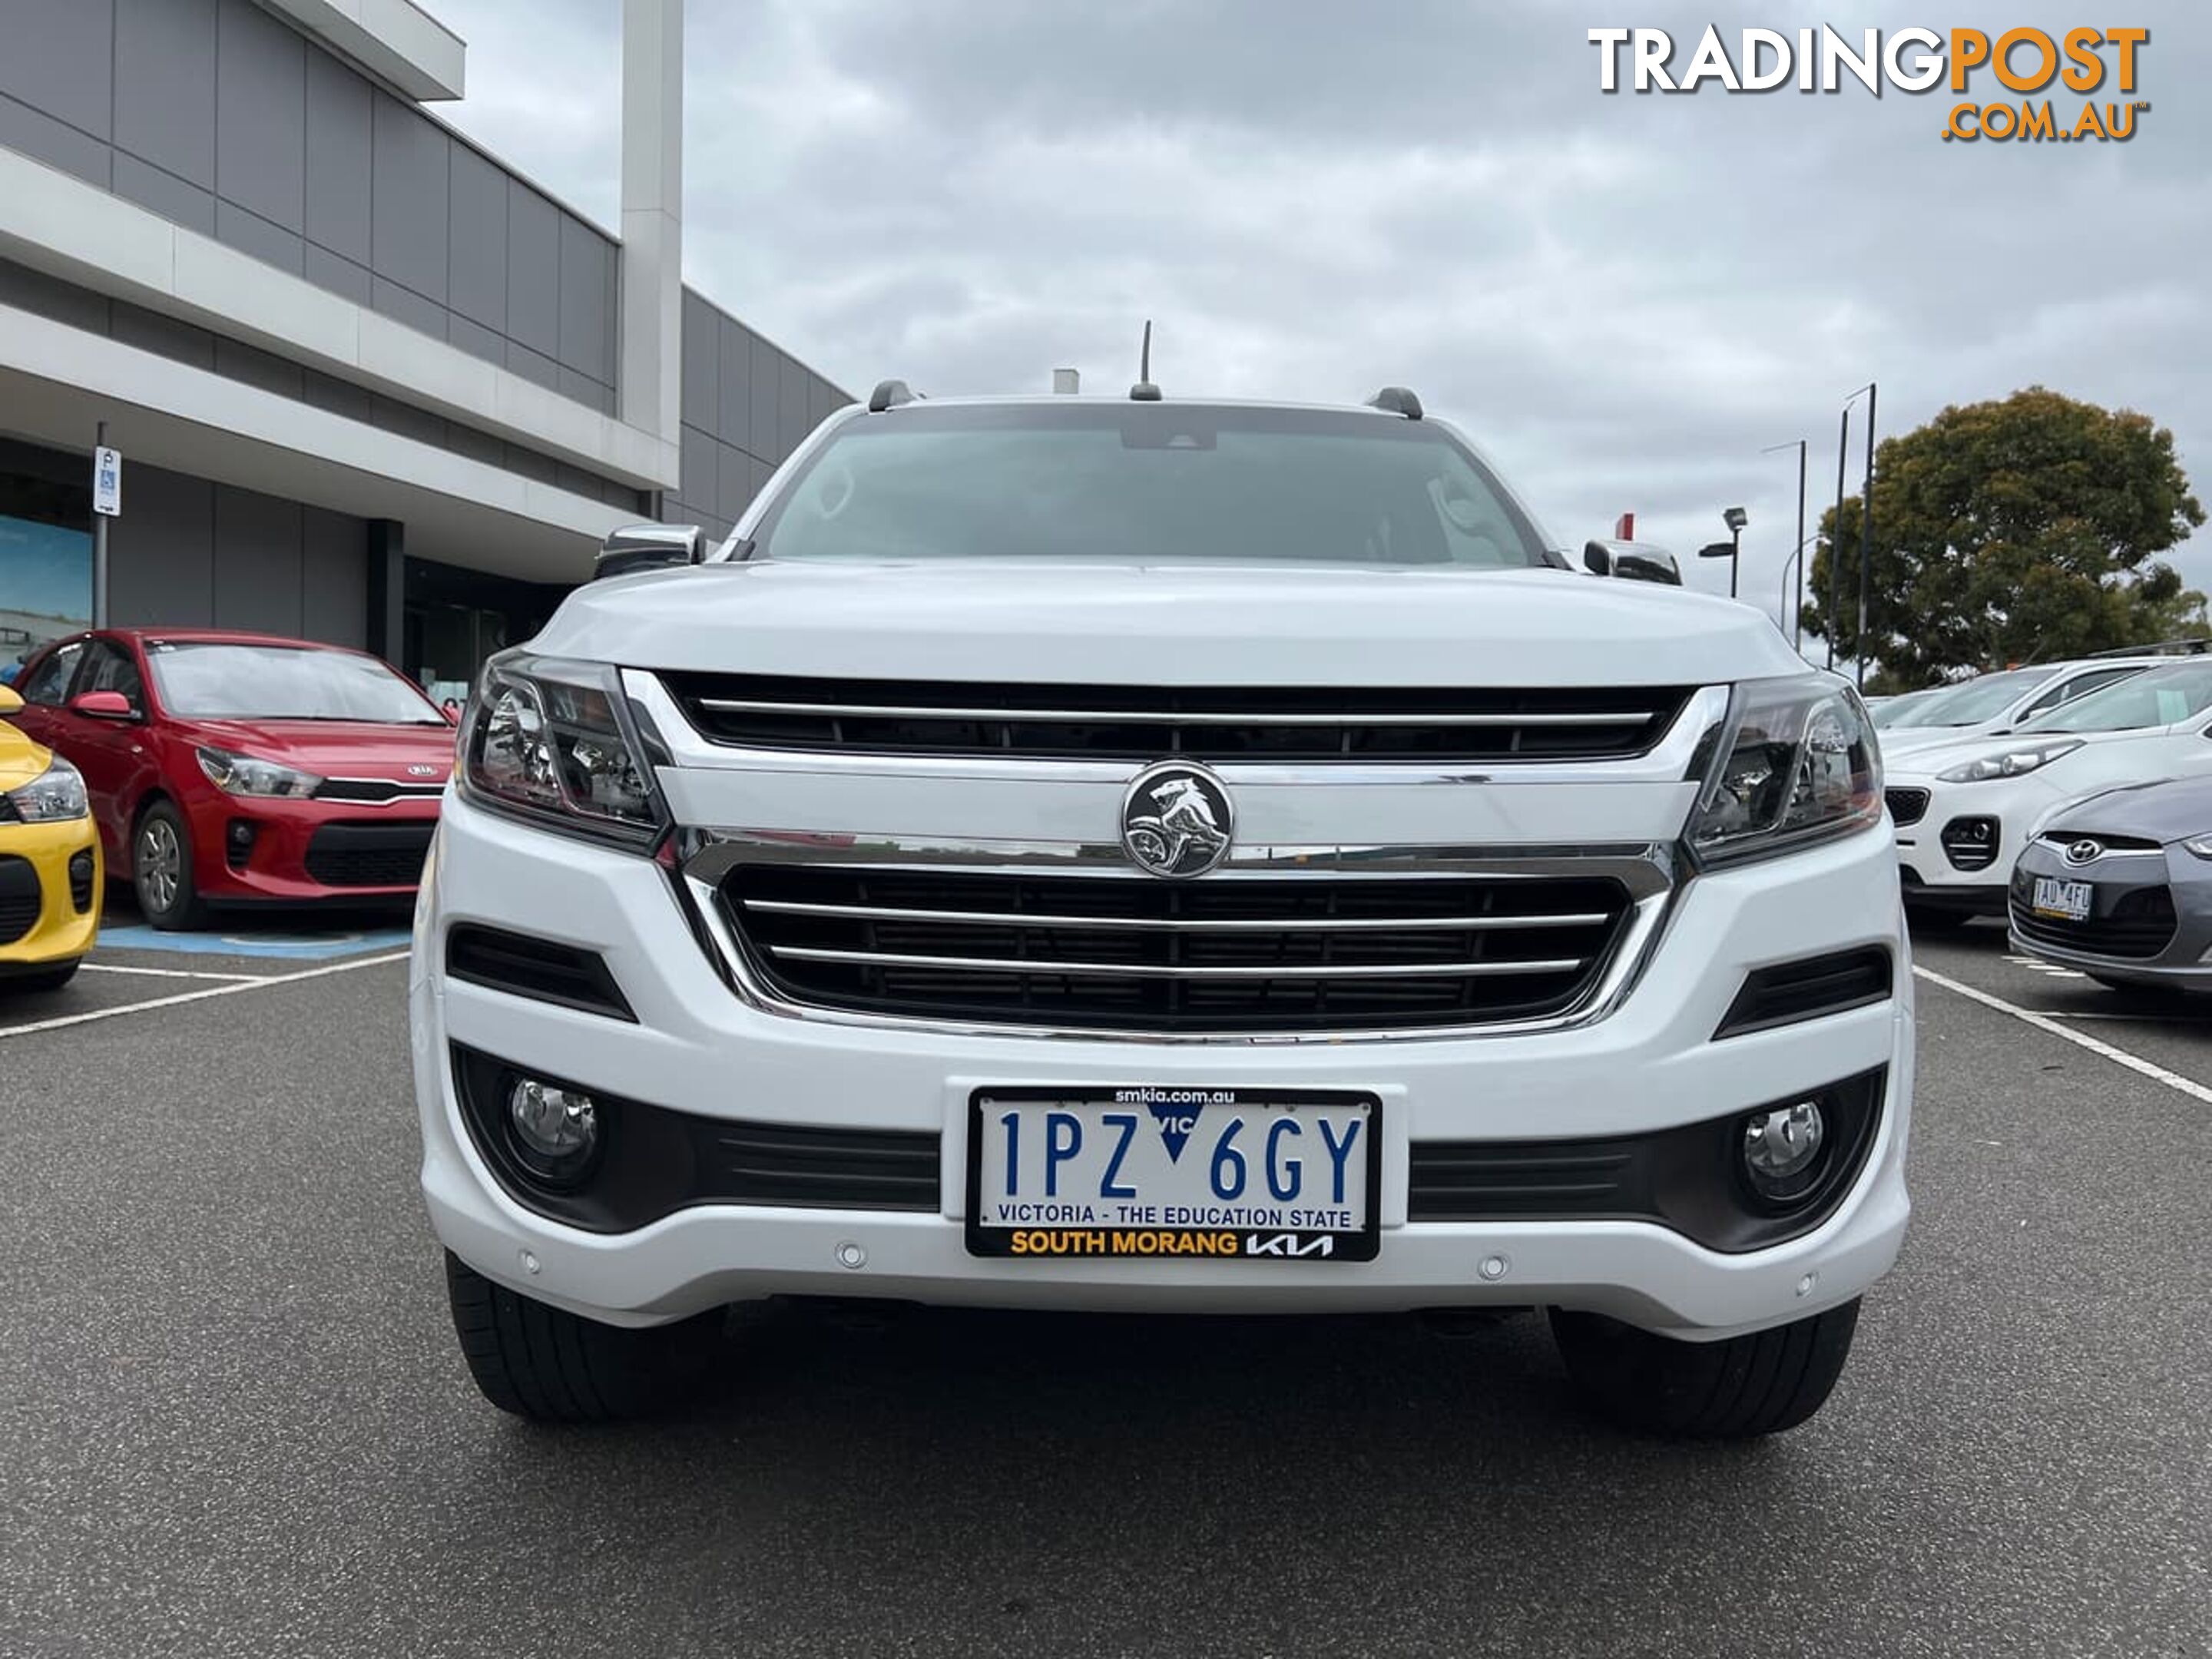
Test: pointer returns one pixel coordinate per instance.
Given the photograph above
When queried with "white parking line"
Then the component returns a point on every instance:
(160, 973)
(152, 1003)
(2174, 1080)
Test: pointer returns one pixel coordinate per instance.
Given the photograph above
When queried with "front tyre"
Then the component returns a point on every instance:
(1733, 1389)
(161, 870)
(552, 1366)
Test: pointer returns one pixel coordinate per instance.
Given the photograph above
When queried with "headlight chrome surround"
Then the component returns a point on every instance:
(1796, 763)
(2013, 763)
(245, 775)
(554, 741)
(57, 795)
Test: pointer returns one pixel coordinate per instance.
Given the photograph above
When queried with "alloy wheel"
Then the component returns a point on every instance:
(160, 865)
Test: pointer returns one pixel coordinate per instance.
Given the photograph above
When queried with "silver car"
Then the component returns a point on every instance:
(2119, 886)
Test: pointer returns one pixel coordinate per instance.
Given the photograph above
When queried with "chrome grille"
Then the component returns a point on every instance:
(1227, 724)
(1224, 954)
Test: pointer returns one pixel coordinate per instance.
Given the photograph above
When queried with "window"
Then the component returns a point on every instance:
(109, 668)
(2079, 685)
(1149, 484)
(2157, 698)
(48, 683)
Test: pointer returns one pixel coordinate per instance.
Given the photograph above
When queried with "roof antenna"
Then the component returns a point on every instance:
(1144, 392)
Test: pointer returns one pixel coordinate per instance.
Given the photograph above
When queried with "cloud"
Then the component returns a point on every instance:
(1624, 299)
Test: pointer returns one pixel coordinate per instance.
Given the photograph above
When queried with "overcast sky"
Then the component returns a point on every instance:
(1624, 299)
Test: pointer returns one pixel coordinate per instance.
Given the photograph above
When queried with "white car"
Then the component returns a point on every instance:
(1964, 810)
(1993, 705)
(1164, 857)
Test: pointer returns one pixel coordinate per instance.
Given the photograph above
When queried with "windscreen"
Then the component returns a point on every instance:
(1977, 700)
(2158, 698)
(210, 680)
(1147, 483)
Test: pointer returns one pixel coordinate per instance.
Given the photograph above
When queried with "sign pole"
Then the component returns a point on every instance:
(99, 518)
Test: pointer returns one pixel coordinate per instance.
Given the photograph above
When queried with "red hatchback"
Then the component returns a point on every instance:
(237, 769)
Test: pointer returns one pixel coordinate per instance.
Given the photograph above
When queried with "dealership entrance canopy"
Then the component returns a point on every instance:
(373, 386)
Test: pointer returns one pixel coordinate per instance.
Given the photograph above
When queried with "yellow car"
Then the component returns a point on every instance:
(50, 868)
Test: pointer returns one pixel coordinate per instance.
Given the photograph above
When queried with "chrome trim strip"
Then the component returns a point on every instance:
(1171, 923)
(1109, 717)
(1666, 762)
(1038, 970)
(1652, 874)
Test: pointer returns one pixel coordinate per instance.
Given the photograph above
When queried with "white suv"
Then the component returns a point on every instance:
(1160, 856)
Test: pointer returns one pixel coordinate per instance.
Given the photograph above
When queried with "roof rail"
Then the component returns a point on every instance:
(1396, 400)
(2189, 647)
(888, 394)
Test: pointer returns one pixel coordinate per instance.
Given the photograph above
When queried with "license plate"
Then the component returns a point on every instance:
(2067, 899)
(1180, 1174)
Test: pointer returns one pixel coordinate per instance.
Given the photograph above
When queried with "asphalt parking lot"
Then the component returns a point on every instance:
(232, 1419)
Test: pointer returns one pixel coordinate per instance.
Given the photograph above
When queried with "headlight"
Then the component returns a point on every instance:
(2200, 845)
(553, 739)
(2010, 764)
(242, 775)
(1797, 764)
(55, 794)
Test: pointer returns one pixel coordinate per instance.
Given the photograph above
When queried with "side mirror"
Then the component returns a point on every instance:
(451, 711)
(103, 706)
(9, 702)
(1634, 561)
(647, 546)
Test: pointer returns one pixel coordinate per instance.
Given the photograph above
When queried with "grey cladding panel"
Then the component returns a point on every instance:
(166, 194)
(793, 426)
(703, 336)
(737, 482)
(534, 270)
(587, 275)
(478, 264)
(465, 336)
(334, 564)
(250, 234)
(339, 151)
(50, 296)
(162, 552)
(733, 419)
(406, 420)
(409, 307)
(55, 142)
(408, 198)
(700, 472)
(257, 575)
(165, 54)
(581, 387)
(56, 57)
(761, 392)
(236, 362)
(150, 330)
(327, 269)
(260, 156)
(339, 396)
(541, 371)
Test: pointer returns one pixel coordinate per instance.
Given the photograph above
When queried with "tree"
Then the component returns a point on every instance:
(2012, 531)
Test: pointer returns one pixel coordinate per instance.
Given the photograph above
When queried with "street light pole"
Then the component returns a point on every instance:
(1866, 530)
(1797, 615)
(1836, 537)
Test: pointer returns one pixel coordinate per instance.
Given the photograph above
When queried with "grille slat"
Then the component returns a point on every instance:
(1906, 806)
(2141, 925)
(1223, 954)
(1258, 723)
(369, 855)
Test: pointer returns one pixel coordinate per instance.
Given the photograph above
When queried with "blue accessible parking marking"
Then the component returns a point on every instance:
(305, 946)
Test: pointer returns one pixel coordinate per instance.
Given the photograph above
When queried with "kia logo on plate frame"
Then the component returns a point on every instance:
(1177, 820)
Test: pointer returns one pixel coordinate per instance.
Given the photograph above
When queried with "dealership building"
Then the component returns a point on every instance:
(371, 385)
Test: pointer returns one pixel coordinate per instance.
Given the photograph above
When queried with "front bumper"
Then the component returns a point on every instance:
(61, 930)
(698, 1047)
(2125, 883)
(278, 867)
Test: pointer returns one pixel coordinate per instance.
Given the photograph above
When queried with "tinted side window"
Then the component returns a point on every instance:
(49, 682)
(109, 668)
(2078, 686)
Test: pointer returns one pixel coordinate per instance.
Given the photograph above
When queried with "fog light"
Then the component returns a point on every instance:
(80, 880)
(555, 1130)
(238, 842)
(1782, 1150)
